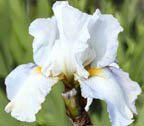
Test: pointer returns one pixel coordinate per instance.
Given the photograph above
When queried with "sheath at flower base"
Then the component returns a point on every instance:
(77, 45)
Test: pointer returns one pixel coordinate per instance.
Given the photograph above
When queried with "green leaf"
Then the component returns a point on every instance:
(44, 8)
(19, 23)
(3, 70)
(140, 116)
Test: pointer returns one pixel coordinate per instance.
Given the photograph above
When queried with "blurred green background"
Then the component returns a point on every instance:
(15, 49)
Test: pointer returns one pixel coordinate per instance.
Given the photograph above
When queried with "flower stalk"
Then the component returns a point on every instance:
(75, 107)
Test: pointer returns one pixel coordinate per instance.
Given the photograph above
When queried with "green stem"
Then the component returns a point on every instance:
(75, 107)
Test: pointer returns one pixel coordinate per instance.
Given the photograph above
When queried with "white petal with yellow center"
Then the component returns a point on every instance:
(114, 87)
(27, 89)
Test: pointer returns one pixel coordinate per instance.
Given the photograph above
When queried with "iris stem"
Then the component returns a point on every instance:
(75, 107)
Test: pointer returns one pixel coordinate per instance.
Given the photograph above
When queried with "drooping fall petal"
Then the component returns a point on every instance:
(119, 92)
(26, 90)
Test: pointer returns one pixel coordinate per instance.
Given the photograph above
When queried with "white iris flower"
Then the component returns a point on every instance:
(79, 46)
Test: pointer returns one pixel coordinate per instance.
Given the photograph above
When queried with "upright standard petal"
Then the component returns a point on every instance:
(27, 88)
(72, 23)
(74, 35)
(115, 87)
(45, 33)
(104, 30)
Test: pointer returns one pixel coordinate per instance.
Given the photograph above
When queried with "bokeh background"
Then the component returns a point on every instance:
(15, 49)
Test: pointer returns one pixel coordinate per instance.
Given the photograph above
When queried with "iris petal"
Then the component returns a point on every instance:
(26, 88)
(117, 90)
(45, 33)
(104, 30)
(72, 23)
(74, 35)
